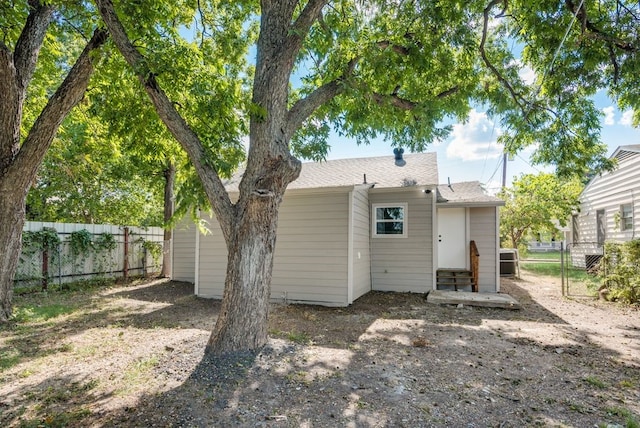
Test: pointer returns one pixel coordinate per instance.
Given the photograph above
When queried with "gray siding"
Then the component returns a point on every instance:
(310, 261)
(311, 256)
(212, 262)
(608, 192)
(483, 231)
(361, 253)
(184, 252)
(405, 264)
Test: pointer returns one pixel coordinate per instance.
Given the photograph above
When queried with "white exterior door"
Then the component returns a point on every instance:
(452, 238)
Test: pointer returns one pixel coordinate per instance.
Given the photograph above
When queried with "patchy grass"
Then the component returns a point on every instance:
(301, 338)
(626, 414)
(138, 375)
(33, 313)
(576, 277)
(9, 357)
(547, 255)
(594, 381)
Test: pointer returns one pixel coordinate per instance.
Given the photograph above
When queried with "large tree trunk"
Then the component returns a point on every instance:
(249, 225)
(242, 322)
(12, 213)
(169, 181)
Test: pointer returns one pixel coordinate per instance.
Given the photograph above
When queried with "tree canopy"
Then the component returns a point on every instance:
(534, 203)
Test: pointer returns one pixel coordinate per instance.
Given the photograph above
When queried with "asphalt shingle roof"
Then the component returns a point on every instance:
(419, 169)
(465, 192)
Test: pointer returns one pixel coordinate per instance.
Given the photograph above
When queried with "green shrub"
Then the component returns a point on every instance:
(620, 271)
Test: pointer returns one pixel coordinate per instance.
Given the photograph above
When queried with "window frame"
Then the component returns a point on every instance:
(623, 223)
(375, 221)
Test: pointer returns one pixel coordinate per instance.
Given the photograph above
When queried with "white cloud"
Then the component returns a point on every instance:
(608, 115)
(474, 140)
(627, 118)
(525, 72)
(528, 75)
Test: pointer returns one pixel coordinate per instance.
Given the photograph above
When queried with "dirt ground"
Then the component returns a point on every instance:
(133, 356)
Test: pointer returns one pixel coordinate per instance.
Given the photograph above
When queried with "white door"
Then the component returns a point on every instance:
(452, 238)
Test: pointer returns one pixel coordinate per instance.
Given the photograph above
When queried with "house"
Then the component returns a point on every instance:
(350, 226)
(608, 209)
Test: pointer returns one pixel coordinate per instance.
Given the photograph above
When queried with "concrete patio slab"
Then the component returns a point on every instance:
(491, 300)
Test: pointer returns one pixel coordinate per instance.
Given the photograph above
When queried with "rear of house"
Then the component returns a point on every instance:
(608, 209)
(350, 226)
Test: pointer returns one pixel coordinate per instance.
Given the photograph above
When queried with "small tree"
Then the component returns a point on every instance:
(532, 204)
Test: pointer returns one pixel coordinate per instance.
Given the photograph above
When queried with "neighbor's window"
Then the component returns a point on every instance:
(626, 217)
(390, 220)
(575, 228)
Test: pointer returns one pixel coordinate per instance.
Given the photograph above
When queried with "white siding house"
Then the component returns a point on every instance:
(609, 208)
(350, 226)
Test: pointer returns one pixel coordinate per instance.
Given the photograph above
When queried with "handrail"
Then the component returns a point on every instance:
(475, 265)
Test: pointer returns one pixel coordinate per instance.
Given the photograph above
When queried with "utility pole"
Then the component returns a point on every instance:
(504, 169)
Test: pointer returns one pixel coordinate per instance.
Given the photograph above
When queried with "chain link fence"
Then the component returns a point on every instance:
(580, 262)
(53, 258)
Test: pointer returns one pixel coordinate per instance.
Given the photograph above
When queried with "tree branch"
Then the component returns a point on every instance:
(67, 96)
(394, 100)
(300, 28)
(448, 92)
(305, 107)
(581, 15)
(400, 50)
(30, 41)
(520, 102)
(176, 124)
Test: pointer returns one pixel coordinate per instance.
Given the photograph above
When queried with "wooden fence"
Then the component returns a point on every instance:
(107, 251)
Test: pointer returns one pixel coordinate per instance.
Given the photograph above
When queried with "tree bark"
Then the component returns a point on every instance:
(169, 181)
(248, 226)
(19, 163)
(12, 215)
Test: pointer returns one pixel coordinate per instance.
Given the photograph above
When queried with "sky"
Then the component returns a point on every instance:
(471, 153)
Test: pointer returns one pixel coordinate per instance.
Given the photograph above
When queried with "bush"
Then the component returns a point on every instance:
(620, 271)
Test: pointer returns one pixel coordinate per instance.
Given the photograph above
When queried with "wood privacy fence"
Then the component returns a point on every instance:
(86, 251)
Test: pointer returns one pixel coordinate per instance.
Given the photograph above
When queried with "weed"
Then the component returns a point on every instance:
(627, 384)
(9, 357)
(40, 313)
(630, 419)
(137, 373)
(61, 419)
(301, 338)
(594, 381)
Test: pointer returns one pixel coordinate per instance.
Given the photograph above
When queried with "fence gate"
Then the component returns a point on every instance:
(580, 263)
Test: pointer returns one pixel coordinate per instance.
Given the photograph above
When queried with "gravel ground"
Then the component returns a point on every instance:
(134, 357)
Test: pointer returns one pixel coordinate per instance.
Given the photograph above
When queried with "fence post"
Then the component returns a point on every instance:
(125, 268)
(45, 267)
(562, 266)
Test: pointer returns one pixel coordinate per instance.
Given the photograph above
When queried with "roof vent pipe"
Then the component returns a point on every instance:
(398, 151)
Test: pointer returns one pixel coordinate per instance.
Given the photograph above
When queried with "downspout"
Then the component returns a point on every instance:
(196, 279)
(350, 250)
(633, 215)
(434, 233)
(497, 252)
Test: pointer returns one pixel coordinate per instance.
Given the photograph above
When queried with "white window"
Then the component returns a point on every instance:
(390, 220)
(626, 217)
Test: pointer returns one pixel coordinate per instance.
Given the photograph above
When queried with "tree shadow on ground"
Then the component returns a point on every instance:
(388, 360)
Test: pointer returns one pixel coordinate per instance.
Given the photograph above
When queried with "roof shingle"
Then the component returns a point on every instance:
(419, 169)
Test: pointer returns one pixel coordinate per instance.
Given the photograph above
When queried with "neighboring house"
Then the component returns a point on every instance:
(608, 208)
(350, 226)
